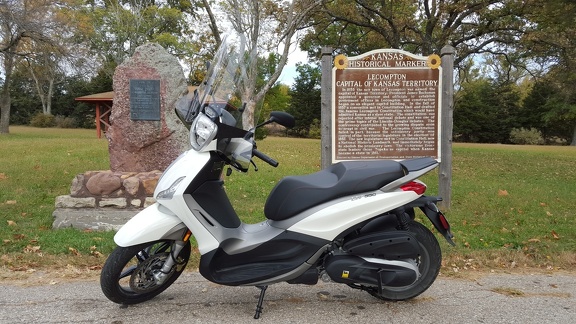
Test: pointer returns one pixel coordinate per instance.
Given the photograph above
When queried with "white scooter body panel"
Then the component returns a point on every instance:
(154, 222)
(149, 225)
(329, 222)
(189, 164)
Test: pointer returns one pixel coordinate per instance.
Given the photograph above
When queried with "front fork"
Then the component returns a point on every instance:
(175, 250)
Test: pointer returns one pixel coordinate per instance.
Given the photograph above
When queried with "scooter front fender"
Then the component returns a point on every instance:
(151, 224)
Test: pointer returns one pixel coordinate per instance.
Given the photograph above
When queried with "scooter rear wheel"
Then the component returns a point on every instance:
(429, 262)
(128, 274)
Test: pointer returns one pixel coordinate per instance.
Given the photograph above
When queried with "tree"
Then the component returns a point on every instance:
(559, 110)
(269, 27)
(532, 111)
(422, 26)
(43, 67)
(551, 43)
(277, 98)
(23, 102)
(51, 63)
(23, 24)
(485, 111)
(305, 93)
(115, 28)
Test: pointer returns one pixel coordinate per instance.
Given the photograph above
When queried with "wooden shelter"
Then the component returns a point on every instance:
(103, 102)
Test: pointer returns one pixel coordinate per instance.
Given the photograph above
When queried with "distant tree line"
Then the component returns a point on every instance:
(515, 59)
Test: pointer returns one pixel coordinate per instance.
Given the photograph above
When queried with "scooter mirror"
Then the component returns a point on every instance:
(282, 118)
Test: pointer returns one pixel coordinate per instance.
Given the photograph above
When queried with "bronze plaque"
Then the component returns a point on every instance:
(386, 106)
(145, 99)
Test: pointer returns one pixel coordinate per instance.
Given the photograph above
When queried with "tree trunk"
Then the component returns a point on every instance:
(4, 110)
(49, 97)
(5, 100)
(573, 138)
(41, 93)
(248, 120)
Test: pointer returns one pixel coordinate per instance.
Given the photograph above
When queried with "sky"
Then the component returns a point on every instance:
(289, 71)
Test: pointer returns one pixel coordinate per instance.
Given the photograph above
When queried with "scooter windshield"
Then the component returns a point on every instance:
(220, 94)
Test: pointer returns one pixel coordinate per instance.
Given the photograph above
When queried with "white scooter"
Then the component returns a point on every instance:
(352, 223)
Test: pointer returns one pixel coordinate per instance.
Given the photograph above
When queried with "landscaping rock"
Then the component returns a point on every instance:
(72, 202)
(103, 183)
(97, 197)
(131, 185)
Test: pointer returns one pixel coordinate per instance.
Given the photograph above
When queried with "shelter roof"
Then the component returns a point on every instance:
(103, 96)
(109, 96)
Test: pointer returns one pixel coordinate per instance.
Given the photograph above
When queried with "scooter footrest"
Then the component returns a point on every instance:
(249, 273)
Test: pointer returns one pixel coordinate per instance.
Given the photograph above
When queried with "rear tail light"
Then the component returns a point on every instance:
(416, 186)
(443, 221)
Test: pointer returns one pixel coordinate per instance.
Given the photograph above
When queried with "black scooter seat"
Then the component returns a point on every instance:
(294, 194)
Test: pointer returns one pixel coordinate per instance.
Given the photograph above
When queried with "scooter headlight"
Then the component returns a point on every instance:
(202, 132)
(169, 193)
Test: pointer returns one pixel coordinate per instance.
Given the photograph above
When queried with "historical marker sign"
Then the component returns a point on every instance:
(145, 99)
(385, 105)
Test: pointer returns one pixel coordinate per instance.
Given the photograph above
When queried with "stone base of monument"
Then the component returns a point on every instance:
(104, 200)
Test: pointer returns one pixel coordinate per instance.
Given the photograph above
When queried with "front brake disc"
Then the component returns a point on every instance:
(142, 279)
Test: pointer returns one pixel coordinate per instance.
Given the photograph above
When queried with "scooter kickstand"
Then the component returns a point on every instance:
(259, 307)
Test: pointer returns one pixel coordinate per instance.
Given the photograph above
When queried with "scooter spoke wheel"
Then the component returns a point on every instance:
(429, 262)
(128, 274)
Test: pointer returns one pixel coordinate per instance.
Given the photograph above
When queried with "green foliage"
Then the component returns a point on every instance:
(550, 107)
(418, 27)
(24, 100)
(305, 104)
(525, 136)
(315, 129)
(532, 111)
(276, 99)
(261, 133)
(351, 39)
(118, 28)
(26, 103)
(485, 112)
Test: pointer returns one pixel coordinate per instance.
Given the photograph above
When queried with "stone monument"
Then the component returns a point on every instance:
(146, 145)
(144, 137)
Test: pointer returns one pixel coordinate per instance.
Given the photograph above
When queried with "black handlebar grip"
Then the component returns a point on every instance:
(265, 158)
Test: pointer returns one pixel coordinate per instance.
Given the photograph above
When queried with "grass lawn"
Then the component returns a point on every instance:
(512, 206)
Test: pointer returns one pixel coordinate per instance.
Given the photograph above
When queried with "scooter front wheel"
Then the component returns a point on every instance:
(129, 275)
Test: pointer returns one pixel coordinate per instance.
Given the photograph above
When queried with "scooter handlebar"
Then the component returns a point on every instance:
(265, 158)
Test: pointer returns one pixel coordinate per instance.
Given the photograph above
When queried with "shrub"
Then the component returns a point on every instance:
(43, 121)
(525, 136)
(315, 129)
(261, 133)
(65, 122)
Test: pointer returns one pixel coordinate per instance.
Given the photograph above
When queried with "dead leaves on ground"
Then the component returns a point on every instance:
(554, 235)
(33, 249)
(93, 251)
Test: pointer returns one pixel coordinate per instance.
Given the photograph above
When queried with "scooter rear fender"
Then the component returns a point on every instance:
(151, 224)
(428, 206)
